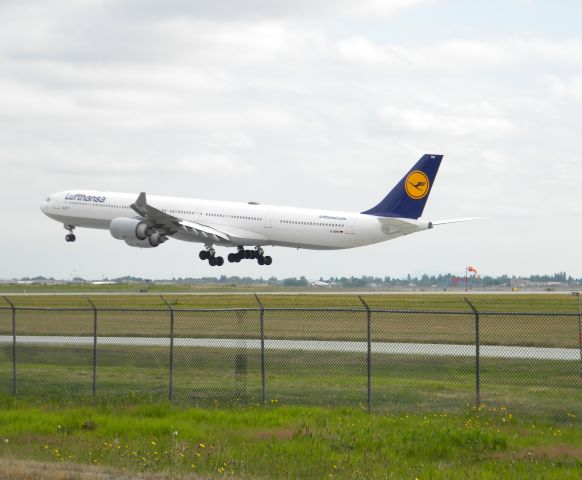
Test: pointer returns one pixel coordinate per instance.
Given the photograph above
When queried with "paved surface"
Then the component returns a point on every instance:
(450, 350)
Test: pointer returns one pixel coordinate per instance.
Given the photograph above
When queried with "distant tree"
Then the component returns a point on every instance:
(295, 282)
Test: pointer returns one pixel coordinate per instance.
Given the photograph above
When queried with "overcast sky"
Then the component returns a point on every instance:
(295, 102)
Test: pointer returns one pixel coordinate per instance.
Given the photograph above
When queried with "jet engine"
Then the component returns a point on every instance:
(152, 241)
(135, 233)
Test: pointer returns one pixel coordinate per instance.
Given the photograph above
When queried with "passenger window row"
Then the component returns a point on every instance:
(315, 224)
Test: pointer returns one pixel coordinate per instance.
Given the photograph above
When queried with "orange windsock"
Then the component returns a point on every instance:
(472, 269)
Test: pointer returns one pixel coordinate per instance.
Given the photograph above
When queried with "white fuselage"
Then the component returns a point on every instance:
(247, 224)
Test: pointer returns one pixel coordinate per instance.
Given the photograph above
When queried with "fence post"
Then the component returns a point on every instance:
(13, 345)
(94, 348)
(171, 381)
(477, 354)
(369, 360)
(577, 294)
(262, 326)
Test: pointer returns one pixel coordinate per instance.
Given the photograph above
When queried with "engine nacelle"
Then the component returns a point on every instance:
(130, 229)
(135, 233)
(152, 241)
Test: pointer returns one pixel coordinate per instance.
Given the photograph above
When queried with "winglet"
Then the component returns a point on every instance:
(141, 200)
(140, 205)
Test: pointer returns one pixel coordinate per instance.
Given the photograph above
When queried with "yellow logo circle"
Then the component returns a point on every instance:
(417, 185)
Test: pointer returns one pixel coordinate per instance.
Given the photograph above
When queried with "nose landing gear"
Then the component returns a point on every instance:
(70, 237)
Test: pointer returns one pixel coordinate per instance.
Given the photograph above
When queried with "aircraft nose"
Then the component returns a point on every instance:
(44, 206)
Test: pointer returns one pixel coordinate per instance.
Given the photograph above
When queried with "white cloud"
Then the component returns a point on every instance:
(565, 90)
(450, 123)
(287, 103)
(266, 9)
(470, 56)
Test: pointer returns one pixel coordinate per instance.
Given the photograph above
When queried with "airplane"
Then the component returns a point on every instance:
(149, 221)
(320, 283)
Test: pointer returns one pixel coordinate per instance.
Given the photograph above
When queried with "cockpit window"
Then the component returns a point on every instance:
(48, 199)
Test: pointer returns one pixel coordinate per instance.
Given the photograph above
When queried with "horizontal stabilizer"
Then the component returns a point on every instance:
(456, 220)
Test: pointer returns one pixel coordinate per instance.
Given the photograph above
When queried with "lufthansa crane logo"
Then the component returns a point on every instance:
(417, 185)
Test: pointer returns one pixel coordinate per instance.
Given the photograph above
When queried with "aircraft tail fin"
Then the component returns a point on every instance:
(408, 198)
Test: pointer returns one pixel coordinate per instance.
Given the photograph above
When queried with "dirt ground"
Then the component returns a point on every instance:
(14, 469)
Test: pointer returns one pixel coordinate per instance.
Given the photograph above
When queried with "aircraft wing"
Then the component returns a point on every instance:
(169, 224)
(204, 231)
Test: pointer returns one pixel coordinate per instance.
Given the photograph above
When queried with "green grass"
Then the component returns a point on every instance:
(539, 328)
(243, 298)
(541, 389)
(291, 442)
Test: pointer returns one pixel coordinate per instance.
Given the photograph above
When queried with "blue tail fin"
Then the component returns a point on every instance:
(408, 198)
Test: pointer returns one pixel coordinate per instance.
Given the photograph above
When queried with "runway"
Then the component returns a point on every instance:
(431, 349)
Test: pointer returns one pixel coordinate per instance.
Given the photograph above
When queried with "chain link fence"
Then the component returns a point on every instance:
(392, 360)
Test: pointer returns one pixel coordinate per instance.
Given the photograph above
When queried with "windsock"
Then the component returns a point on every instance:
(474, 270)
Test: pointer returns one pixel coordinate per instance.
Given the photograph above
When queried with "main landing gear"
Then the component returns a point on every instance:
(241, 254)
(210, 255)
(70, 237)
(256, 254)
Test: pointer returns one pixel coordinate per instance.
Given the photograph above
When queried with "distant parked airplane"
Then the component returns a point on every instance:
(149, 222)
(320, 283)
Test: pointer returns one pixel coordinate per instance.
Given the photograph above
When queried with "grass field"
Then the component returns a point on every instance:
(542, 389)
(550, 321)
(546, 389)
(226, 297)
(423, 425)
(283, 442)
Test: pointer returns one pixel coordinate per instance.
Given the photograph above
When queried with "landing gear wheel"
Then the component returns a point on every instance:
(261, 260)
(204, 255)
(219, 261)
(268, 260)
(212, 261)
(70, 237)
(232, 257)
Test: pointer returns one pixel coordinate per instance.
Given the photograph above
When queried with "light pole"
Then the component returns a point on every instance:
(577, 294)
